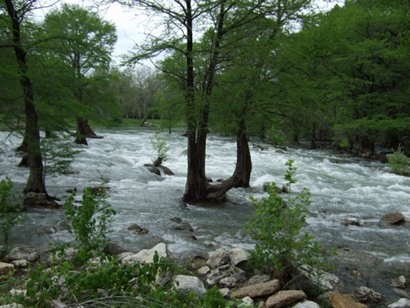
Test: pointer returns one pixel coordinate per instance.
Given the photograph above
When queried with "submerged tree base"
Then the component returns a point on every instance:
(33, 199)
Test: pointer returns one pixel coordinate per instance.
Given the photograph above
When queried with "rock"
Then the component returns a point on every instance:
(344, 301)
(166, 170)
(238, 256)
(225, 292)
(227, 270)
(20, 263)
(5, 268)
(351, 222)
(113, 249)
(401, 303)
(399, 282)
(183, 226)
(137, 229)
(57, 304)
(258, 279)
(325, 280)
(197, 262)
(247, 302)
(146, 255)
(218, 258)
(13, 305)
(306, 304)
(257, 290)
(367, 295)
(285, 298)
(176, 219)
(184, 283)
(203, 270)
(20, 253)
(395, 218)
(228, 282)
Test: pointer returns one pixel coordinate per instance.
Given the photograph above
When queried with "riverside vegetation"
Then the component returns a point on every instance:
(92, 277)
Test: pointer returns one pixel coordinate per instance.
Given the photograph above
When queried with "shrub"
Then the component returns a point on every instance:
(89, 223)
(161, 147)
(8, 209)
(276, 224)
(399, 162)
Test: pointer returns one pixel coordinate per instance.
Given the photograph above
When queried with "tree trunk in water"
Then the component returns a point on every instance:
(35, 183)
(84, 131)
(243, 167)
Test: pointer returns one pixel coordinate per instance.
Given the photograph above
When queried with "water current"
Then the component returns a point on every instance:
(342, 187)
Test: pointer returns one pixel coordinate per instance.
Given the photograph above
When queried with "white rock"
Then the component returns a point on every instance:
(203, 270)
(401, 303)
(247, 302)
(20, 263)
(306, 304)
(14, 305)
(238, 255)
(146, 255)
(184, 283)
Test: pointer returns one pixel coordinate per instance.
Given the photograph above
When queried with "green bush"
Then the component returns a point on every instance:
(161, 147)
(8, 211)
(277, 226)
(399, 162)
(89, 223)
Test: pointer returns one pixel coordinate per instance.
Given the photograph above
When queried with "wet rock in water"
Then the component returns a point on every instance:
(186, 284)
(399, 282)
(351, 222)
(137, 229)
(285, 298)
(159, 170)
(339, 300)
(395, 218)
(113, 249)
(183, 226)
(5, 268)
(22, 253)
(367, 295)
(176, 219)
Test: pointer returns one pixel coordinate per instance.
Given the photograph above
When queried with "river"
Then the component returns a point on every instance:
(342, 187)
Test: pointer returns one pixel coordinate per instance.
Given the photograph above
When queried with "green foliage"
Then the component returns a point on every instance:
(58, 156)
(8, 215)
(277, 226)
(160, 146)
(89, 223)
(399, 162)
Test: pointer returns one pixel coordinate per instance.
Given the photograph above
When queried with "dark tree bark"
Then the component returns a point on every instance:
(35, 182)
(84, 131)
(243, 169)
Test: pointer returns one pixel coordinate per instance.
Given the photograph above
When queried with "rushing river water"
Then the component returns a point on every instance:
(342, 188)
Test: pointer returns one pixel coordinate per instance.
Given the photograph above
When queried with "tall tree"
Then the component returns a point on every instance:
(86, 45)
(17, 12)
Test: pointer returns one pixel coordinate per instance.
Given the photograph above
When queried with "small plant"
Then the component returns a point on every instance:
(89, 223)
(161, 147)
(8, 209)
(276, 225)
(399, 162)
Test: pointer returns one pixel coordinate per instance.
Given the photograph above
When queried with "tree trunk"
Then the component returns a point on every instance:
(84, 131)
(35, 182)
(243, 169)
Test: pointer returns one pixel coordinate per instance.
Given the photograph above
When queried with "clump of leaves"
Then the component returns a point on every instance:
(399, 162)
(89, 222)
(161, 147)
(8, 211)
(277, 225)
